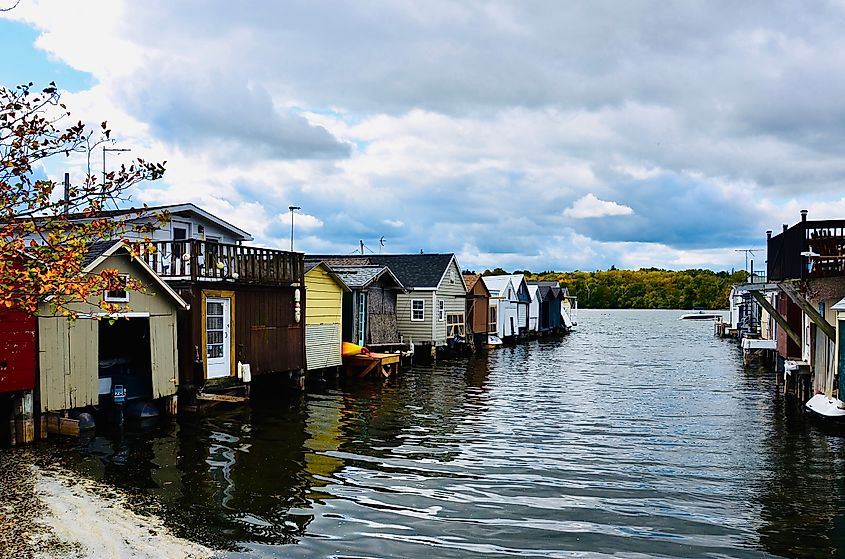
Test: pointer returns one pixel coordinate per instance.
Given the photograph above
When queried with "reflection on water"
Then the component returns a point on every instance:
(639, 435)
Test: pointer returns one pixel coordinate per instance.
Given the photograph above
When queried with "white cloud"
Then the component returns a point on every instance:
(301, 220)
(590, 206)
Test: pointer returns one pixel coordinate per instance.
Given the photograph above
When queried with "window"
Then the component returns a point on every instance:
(417, 310)
(118, 295)
(441, 310)
(455, 325)
(494, 313)
(451, 276)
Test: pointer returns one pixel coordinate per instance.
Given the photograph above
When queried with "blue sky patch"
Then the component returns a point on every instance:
(23, 62)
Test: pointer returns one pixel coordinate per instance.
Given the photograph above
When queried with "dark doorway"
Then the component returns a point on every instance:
(125, 358)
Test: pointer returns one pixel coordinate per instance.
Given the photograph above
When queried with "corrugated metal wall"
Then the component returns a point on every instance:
(17, 351)
(322, 346)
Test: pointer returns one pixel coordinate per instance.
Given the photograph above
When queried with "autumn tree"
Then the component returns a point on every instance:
(45, 228)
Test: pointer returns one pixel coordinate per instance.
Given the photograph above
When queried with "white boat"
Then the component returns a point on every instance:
(826, 407)
(493, 341)
(700, 315)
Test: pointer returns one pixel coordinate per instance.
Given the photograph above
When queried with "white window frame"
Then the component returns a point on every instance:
(441, 310)
(456, 327)
(125, 299)
(420, 310)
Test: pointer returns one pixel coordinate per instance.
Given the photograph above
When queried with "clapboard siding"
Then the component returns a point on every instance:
(453, 294)
(417, 332)
(322, 346)
(324, 297)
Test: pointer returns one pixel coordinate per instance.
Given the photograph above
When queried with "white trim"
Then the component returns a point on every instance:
(115, 315)
(454, 261)
(125, 298)
(119, 244)
(412, 310)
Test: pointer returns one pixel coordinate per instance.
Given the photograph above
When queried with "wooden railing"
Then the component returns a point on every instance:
(197, 260)
(822, 244)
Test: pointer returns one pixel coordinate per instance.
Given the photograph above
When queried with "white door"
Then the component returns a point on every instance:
(217, 335)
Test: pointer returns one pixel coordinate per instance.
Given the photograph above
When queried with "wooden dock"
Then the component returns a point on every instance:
(363, 365)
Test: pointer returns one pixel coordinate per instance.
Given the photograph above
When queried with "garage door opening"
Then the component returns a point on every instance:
(124, 358)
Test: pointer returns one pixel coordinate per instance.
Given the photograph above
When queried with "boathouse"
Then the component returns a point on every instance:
(88, 361)
(807, 264)
(323, 317)
(503, 307)
(431, 309)
(547, 305)
(370, 306)
(247, 303)
(17, 376)
(477, 309)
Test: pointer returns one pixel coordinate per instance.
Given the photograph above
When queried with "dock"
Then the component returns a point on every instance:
(363, 365)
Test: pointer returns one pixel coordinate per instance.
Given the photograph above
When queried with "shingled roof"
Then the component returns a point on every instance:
(96, 250)
(414, 271)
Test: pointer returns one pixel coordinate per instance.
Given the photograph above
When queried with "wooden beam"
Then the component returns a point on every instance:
(809, 310)
(208, 397)
(763, 302)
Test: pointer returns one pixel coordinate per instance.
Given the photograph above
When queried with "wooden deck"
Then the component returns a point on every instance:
(384, 364)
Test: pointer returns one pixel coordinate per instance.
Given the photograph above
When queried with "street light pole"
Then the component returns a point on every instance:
(292, 208)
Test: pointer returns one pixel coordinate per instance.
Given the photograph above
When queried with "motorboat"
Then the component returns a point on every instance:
(831, 409)
(701, 315)
(493, 341)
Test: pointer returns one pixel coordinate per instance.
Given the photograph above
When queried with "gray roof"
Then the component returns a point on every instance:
(361, 277)
(412, 270)
(96, 250)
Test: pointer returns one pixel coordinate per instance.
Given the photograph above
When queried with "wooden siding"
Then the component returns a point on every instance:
(163, 361)
(69, 353)
(68, 363)
(17, 352)
(415, 331)
(382, 322)
(325, 297)
(478, 304)
(266, 335)
(322, 346)
(453, 295)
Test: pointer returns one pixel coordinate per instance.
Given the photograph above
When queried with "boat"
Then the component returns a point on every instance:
(493, 341)
(831, 409)
(701, 315)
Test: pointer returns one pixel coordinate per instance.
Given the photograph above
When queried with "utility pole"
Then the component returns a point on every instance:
(747, 251)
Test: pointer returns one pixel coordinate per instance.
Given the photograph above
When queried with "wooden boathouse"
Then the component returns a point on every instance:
(323, 317)
(806, 263)
(83, 363)
(478, 310)
(17, 376)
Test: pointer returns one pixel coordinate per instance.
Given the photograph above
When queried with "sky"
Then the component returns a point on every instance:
(523, 134)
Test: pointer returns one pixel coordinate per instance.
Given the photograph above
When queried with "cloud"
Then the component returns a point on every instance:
(500, 130)
(589, 206)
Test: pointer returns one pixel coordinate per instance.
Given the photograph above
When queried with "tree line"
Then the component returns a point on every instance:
(646, 288)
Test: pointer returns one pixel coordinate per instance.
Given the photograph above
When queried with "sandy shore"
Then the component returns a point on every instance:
(49, 514)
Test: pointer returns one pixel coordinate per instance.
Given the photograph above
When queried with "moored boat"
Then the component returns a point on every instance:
(700, 315)
(831, 409)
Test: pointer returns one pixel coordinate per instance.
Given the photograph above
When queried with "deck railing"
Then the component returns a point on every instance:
(809, 249)
(198, 260)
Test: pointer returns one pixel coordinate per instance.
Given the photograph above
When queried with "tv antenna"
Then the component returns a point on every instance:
(747, 251)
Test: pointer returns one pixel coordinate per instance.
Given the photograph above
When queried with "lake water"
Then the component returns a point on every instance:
(639, 435)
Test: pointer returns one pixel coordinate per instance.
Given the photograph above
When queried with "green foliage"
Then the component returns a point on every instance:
(647, 288)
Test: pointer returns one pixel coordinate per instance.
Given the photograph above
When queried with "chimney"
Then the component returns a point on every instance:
(785, 227)
(803, 215)
(769, 234)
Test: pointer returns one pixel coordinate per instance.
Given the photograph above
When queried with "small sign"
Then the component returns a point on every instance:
(119, 394)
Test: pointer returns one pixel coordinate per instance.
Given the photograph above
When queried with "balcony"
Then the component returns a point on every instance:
(196, 260)
(822, 244)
